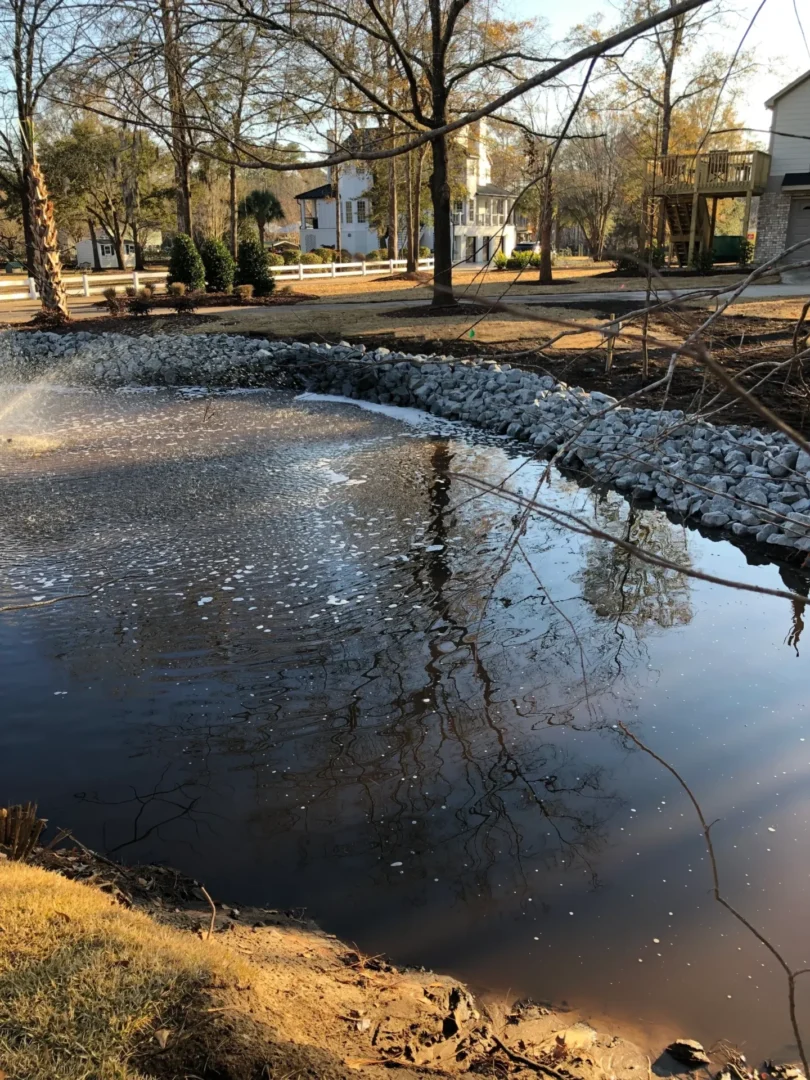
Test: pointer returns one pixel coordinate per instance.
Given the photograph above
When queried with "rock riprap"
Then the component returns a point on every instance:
(751, 482)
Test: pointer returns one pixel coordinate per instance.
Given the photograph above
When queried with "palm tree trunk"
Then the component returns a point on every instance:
(47, 263)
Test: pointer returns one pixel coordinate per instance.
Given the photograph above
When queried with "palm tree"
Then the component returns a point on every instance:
(264, 207)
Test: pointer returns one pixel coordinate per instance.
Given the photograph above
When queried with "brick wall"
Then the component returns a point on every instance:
(772, 223)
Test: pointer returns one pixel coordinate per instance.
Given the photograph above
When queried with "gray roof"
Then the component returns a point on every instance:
(492, 189)
(796, 179)
(325, 191)
(769, 104)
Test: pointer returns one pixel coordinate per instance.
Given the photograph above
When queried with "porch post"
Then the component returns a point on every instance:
(693, 222)
(747, 212)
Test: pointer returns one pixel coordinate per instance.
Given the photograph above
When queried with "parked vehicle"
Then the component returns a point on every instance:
(532, 246)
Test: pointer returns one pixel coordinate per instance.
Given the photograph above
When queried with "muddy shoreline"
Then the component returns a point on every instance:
(428, 1023)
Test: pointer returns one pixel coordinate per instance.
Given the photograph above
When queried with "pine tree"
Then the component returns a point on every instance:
(254, 268)
(185, 264)
(219, 266)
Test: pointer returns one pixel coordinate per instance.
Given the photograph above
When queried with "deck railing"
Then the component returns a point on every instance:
(712, 171)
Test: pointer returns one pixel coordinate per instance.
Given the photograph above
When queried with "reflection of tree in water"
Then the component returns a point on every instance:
(620, 586)
(465, 740)
(429, 735)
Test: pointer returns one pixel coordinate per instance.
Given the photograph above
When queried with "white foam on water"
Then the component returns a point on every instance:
(414, 417)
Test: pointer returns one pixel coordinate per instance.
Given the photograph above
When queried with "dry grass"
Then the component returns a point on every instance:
(88, 989)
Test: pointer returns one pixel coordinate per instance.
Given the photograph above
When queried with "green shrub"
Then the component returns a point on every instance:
(535, 258)
(274, 258)
(424, 252)
(244, 293)
(185, 303)
(746, 255)
(110, 295)
(346, 256)
(292, 256)
(142, 303)
(637, 264)
(371, 256)
(519, 260)
(500, 260)
(254, 268)
(309, 258)
(703, 261)
(219, 266)
(185, 264)
(327, 255)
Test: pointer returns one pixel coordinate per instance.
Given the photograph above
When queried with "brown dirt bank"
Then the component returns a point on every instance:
(108, 971)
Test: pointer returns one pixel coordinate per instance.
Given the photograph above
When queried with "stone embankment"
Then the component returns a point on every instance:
(751, 482)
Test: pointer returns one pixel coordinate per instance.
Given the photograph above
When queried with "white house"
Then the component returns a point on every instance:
(481, 222)
(479, 219)
(783, 217)
(106, 249)
(319, 205)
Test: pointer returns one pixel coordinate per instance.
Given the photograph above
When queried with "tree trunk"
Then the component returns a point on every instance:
(412, 251)
(417, 201)
(181, 150)
(233, 212)
(442, 236)
(117, 239)
(94, 243)
(28, 233)
(546, 276)
(261, 224)
(393, 211)
(140, 262)
(48, 273)
(666, 130)
(338, 229)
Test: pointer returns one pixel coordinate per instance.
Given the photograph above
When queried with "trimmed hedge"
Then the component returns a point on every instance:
(185, 264)
(219, 266)
(253, 268)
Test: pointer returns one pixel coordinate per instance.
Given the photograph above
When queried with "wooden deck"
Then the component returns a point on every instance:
(719, 173)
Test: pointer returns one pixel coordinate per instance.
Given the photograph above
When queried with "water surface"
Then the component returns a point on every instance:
(298, 666)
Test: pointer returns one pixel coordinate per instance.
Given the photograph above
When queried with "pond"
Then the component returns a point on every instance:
(302, 663)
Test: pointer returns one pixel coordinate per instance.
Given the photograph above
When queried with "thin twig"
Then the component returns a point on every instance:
(515, 1056)
(707, 827)
(213, 923)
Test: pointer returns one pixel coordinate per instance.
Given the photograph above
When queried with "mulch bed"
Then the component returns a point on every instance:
(131, 325)
(427, 311)
(204, 300)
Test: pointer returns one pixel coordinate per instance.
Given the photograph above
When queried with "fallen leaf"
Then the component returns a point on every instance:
(162, 1036)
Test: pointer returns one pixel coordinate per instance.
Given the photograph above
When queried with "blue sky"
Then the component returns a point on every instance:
(775, 36)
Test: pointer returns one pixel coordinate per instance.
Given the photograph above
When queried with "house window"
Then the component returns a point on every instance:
(106, 249)
(498, 211)
(348, 212)
(458, 212)
(471, 212)
(361, 211)
(129, 248)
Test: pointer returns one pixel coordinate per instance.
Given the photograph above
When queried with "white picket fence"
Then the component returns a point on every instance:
(91, 284)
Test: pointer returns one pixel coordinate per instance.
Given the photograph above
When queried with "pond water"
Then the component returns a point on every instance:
(298, 666)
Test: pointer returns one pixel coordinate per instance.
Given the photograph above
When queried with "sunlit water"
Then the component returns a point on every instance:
(297, 665)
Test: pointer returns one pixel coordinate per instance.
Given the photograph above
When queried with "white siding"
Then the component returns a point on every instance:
(791, 113)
